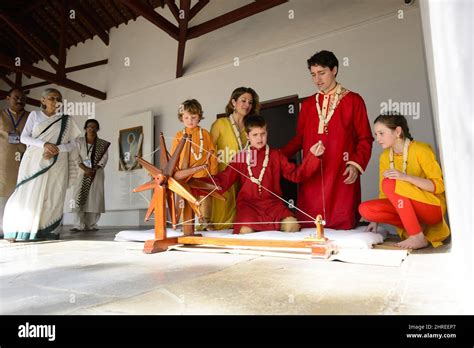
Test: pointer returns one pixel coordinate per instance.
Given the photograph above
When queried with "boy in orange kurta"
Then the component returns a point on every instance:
(190, 113)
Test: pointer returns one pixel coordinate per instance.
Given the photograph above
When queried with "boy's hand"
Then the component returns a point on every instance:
(317, 149)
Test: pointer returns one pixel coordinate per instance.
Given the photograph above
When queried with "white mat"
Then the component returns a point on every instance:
(344, 239)
(355, 246)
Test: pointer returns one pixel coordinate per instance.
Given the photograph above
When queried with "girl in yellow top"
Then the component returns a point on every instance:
(411, 187)
(229, 137)
(190, 113)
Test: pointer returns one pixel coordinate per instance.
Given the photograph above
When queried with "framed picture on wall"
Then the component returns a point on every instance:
(130, 144)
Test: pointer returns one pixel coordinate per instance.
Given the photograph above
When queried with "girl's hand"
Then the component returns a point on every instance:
(372, 227)
(395, 174)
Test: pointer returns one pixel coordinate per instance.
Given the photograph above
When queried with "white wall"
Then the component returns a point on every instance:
(384, 52)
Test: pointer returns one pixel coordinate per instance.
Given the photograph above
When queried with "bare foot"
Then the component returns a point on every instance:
(417, 241)
(245, 230)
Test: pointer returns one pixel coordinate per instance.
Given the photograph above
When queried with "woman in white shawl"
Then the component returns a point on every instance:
(34, 211)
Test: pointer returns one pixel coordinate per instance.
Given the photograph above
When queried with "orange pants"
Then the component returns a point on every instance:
(400, 211)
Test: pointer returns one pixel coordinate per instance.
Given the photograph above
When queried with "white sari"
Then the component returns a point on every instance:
(34, 211)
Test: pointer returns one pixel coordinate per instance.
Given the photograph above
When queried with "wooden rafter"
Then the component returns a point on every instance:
(112, 20)
(9, 82)
(117, 9)
(35, 85)
(151, 15)
(23, 34)
(62, 40)
(173, 8)
(86, 66)
(232, 17)
(196, 8)
(90, 23)
(128, 12)
(9, 63)
(183, 30)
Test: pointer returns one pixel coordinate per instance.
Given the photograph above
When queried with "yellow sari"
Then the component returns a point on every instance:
(226, 143)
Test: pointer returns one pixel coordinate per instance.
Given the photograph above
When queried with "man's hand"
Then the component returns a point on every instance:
(317, 149)
(352, 174)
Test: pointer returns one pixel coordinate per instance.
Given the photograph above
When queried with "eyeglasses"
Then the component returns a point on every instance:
(54, 98)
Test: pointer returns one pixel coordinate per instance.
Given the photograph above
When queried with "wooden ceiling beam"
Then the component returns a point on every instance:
(91, 24)
(115, 7)
(127, 11)
(232, 17)
(196, 8)
(86, 66)
(35, 85)
(9, 63)
(107, 14)
(151, 15)
(9, 82)
(62, 39)
(27, 38)
(173, 8)
(183, 30)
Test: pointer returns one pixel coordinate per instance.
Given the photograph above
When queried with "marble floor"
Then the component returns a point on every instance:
(89, 273)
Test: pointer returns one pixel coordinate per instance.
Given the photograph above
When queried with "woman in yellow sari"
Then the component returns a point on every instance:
(229, 137)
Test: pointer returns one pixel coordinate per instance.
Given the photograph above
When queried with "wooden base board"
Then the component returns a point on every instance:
(156, 246)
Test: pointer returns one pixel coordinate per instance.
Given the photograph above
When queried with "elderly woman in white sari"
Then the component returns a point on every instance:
(35, 209)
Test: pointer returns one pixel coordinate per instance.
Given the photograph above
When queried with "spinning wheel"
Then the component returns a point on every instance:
(165, 183)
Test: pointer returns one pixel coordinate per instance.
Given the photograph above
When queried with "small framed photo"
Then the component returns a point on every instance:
(130, 147)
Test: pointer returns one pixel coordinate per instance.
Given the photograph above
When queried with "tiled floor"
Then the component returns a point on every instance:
(88, 273)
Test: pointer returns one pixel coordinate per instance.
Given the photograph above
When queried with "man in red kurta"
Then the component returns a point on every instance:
(338, 118)
(258, 171)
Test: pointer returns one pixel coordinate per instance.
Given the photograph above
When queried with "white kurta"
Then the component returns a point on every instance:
(95, 199)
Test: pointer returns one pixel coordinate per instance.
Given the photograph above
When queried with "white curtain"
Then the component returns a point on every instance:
(448, 38)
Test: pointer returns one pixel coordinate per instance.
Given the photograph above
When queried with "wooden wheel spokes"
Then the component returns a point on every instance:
(173, 161)
(198, 184)
(172, 208)
(185, 174)
(164, 154)
(149, 167)
(183, 191)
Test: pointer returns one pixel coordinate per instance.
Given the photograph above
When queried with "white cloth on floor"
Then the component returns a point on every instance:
(350, 239)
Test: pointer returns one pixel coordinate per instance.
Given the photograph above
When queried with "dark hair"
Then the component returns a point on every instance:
(192, 106)
(229, 109)
(92, 120)
(9, 93)
(394, 120)
(254, 121)
(324, 59)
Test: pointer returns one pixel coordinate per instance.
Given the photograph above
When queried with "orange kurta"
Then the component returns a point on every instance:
(208, 145)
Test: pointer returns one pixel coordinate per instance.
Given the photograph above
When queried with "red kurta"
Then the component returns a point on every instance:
(265, 207)
(349, 139)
